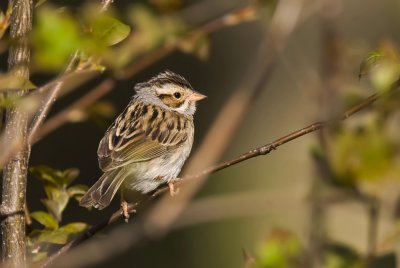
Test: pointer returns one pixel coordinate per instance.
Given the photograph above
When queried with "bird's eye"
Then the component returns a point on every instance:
(177, 95)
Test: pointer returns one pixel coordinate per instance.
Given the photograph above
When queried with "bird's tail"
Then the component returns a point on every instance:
(103, 191)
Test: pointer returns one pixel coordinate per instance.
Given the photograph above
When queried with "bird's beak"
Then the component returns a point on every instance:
(196, 96)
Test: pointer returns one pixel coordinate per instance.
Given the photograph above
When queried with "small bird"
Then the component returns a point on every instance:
(149, 142)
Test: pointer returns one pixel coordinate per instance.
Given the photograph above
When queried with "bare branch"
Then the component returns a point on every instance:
(84, 101)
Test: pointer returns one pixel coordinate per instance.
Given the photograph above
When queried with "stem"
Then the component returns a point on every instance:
(373, 216)
(15, 172)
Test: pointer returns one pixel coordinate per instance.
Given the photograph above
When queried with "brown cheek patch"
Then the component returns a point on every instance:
(170, 101)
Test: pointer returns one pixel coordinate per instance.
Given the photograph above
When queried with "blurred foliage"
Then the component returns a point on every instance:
(341, 256)
(4, 21)
(279, 249)
(97, 32)
(362, 154)
(366, 148)
(98, 113)
(382, 66)
(58, 189)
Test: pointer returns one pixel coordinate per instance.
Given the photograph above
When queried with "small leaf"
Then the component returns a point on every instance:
(57, 202)
(382, 65)
(45, 174)
(281, 248)
(70, 175)
(10, 81)
(74, 227)
(110, 30)
(77, 190)
(371, 60)
(340, 255)
(52, 49)
(5, 20)
(57, 178)
(45, 219)
(54, 237)
(40, 256)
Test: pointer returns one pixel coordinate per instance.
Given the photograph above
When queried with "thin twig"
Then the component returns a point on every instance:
(84, 101)
(234, 17)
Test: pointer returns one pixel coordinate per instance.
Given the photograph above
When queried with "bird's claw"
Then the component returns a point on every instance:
(124, 211)
(172, 191)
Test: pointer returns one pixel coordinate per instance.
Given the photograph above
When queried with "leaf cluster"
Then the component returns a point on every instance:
(59, 191)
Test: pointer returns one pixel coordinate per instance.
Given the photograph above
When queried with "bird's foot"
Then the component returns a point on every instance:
(172, 190)
(124, 211)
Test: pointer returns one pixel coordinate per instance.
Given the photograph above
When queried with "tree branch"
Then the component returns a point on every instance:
(15, 171)
(84, 101)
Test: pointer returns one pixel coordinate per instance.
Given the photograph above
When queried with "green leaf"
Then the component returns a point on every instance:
(40, 256)
(56, 36)
(77, 190)
(280, 249)
(46, 175)
(371, 60)
(110, 30)
(69, 175)
(45, 219)
(382, 65)
(5, 21)
(57, 202)
(342, 256)
(10, 81)
(55, 177)
(54, 237)
(74, 227)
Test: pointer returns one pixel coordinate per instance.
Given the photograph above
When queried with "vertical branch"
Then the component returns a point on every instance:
(328, 107)
(373, 216)
(14, 173)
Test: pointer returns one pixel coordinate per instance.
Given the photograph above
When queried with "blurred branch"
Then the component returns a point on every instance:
(84, 101)
(15, 171)
(232, 18)
(30, 104)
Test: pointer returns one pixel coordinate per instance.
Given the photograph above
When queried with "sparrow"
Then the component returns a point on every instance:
(149, 142)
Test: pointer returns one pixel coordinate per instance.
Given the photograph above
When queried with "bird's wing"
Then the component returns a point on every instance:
(142, 132)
